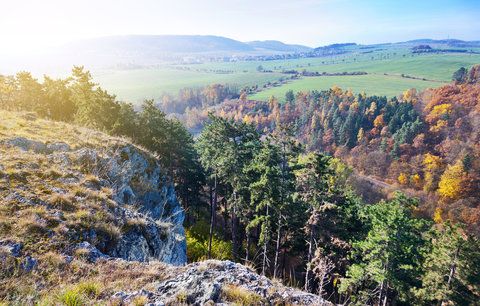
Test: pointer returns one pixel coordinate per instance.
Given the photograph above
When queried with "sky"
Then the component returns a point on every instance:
(34, 25)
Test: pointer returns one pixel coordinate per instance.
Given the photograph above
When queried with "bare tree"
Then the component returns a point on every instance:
(322, 267)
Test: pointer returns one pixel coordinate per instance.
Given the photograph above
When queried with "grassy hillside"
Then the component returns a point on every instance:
(52, 198)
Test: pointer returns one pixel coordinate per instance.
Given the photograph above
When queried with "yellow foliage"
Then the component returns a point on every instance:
(438, 111)
(360, 135)
(372, 109)
(451, 181)
(432, 162)
(437, 216)
(337, 90)
(379, 122)
(416, 180)
(354, 106)
(247, 119)
(410, 95)
(438, 127)
(403, 179)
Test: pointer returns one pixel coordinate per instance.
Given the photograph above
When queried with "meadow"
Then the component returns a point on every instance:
(371, 84)
(386, 68)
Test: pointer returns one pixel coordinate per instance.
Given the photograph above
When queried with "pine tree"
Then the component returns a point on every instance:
(390, 255)
(451, 267)
(313, 182)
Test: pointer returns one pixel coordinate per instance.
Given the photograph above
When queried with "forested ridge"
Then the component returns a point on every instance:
(266, 183)
(425, 143)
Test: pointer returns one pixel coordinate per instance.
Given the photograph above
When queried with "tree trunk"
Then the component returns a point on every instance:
(277, 247)
(383, 287)
(247, 251)
(264, 262)
(451, 275)
(380, 294)
(385, 298)
(235, 246)
(309, 258)
(213, 208)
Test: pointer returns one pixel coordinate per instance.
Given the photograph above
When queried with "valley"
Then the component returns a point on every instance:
(240, 153)
(384, 67)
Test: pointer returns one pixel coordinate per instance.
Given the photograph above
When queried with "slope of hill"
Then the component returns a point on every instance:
(86, 218)
(148, 45)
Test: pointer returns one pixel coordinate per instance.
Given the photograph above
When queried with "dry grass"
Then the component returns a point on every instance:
(49, 204)
(65, 202)
(140, 300)
(240, 296)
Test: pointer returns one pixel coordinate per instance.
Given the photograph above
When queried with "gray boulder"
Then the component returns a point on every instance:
(203, 282)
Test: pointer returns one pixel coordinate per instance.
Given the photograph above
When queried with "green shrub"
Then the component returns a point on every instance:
(197, 244)
(89, 289)
(71, 297)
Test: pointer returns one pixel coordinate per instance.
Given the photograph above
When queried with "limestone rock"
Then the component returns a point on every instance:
(203, 282)
(146, 210)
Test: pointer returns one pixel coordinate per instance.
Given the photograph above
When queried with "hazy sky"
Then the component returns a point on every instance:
(309, 22)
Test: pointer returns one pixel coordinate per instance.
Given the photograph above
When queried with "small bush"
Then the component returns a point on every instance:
(5, 226)
(108, 231)
(53, 261)
(52, 173)
(181, 297)
(80, 191)
(140, 300)
(90, 289)
(134, 223)
(197, 247)
(241, 296)
(92, 181)
(17, 175)
(71, 297)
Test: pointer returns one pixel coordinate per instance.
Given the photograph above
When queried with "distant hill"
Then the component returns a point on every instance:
(140, 50)
(165, 45)
(161, 44)
(336, 46)
(275, 45)
(447, 42)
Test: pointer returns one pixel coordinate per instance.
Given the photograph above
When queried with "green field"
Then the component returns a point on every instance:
(384, 69)
(136, 85)
(370, 84)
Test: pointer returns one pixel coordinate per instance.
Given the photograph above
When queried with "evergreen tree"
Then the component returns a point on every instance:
(451, 267)
(313, 183)
(390, 256)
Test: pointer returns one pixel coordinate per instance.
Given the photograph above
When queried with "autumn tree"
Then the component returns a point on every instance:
(450, 184)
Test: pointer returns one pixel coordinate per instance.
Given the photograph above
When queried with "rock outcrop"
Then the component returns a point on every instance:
(211, 282)
(142, 198)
